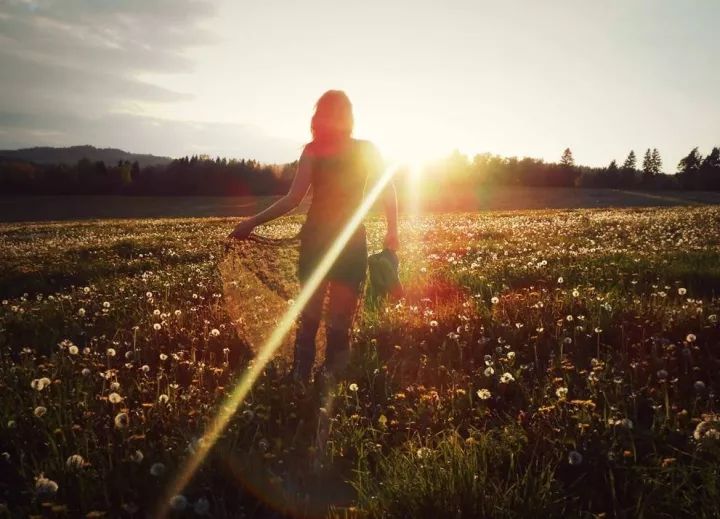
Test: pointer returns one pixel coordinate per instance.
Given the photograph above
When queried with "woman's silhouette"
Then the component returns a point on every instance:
(339, 169)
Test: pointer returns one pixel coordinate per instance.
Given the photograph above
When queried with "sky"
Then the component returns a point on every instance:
(239, 78)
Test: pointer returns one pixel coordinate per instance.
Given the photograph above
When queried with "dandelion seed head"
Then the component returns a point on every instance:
(122, 420)
(178, 503)
(75, 462)
(483, 394)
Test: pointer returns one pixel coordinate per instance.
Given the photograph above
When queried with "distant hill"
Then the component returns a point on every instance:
(72, 154)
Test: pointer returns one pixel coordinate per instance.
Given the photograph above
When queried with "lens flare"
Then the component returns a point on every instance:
(267, 350)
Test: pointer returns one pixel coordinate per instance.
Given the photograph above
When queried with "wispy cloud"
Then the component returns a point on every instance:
(71, 67)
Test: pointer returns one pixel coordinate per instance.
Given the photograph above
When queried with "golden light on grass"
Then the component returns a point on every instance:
(268, 349)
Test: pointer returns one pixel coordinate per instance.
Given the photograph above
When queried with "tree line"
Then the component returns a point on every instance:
(202, 175)
(195, 175)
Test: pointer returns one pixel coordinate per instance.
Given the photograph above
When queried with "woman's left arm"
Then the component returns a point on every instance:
(298, 190)
(391, 217)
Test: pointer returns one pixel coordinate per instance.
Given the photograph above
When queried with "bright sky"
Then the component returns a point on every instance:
(239, 78)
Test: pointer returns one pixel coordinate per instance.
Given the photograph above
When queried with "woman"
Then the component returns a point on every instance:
(340, 170)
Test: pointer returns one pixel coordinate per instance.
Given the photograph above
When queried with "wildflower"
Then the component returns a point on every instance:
(45, 487)
(39, 384)
(433, 324)
(122, 420)
(682, 291)
(691, 337)
(423, 453)
(157, 469)
(178, 313)
(569, 318)
(483, 394)
(73, 350)
(163, 399)
(561, 393)
(86, 290)
(506, 378)
(489, 371)
(75, 462)
(137, 456)
(81, 312)
(598, 330)
(163, 356)
(567, 340)
(560, 280)
(353, 387)
(662, 374)
(576, 293)
(214, 332)
(40, 411)
(106, 304)
(114, 398)
(178, 503)
(202, 506)
(705, 428)
(494, 300)
(713, 318)
(145, 368)
(85, 372)
(539, 329)
(148, 295)
(157, 326)
(111, 352)
(114, 385)
(699, 386)
(574, 458)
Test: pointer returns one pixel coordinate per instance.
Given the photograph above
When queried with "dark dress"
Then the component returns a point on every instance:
(338, 182)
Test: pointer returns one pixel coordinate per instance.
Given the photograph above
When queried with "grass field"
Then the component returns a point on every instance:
(559, 363)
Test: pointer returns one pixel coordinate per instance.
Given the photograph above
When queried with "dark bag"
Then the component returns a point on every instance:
(384, 281)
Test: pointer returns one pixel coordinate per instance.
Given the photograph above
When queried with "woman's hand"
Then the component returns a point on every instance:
(242, 230)
(391, 241)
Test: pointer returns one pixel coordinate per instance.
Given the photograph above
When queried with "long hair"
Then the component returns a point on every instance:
(333, 118)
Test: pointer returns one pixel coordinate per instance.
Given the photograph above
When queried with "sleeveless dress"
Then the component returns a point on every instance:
(338, 182)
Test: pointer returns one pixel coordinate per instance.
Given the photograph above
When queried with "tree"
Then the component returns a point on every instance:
(567, 159)
(647, 167)
(630, 161)
(628, 172)
(652, 165)
(689, 169)
(656, 161)
(709, 173)
(611, 176)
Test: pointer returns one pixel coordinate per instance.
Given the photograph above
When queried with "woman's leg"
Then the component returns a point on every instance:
(308, 323)
(343, 301)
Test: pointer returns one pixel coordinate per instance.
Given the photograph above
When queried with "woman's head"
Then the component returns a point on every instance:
(333, 118)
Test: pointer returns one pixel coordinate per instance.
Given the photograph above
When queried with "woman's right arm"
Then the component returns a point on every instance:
(298, 190)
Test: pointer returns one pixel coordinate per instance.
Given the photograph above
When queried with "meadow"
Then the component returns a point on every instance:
(559, 363)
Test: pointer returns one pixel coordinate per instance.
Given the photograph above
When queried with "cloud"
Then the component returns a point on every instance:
(72, 67)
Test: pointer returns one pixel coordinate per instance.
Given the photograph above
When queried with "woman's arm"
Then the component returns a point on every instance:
(298, 190)
(391, 216)
(388, 196)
